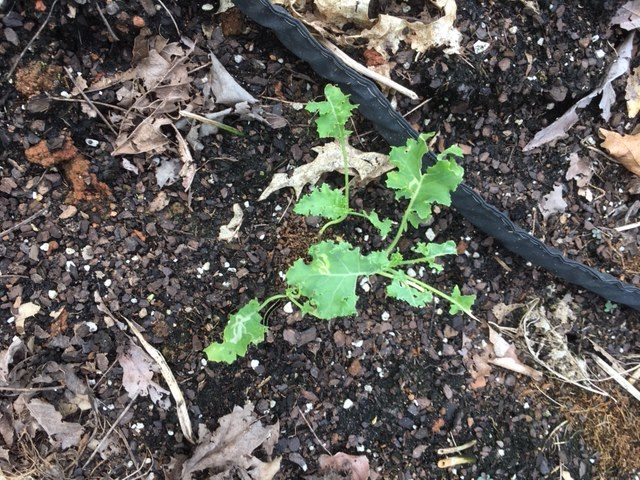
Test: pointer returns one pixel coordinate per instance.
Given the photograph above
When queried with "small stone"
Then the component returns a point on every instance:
(138, 22)
(480, 47)
(504, 64)
(91, 142)
(348, 403)
(288, 308)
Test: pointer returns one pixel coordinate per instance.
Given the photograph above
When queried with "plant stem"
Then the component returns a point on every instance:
(345, 163)
(402, 227)
(272, 299)
(422, 286)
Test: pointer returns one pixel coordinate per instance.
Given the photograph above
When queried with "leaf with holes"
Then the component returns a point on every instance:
(244, 328)
(333, 113)
(329, 280)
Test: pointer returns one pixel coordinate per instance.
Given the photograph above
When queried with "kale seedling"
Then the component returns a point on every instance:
(326, 286)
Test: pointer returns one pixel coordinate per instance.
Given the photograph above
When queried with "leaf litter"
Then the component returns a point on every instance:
(561, 126)
(624, 149)
(164, 81)
(229, 450)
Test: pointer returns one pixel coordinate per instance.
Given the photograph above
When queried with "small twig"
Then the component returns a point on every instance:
(82, 100)
(30, 389)
(171, 16)
(42, 211)
(104, 19)
(88, 100)
(358, 67)
(459, 448)
(110, 431)
(46, 20)
(630, 226)
(420, 105)
(313, 431)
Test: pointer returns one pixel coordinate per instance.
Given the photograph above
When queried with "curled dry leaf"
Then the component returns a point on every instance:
(356, 466)
(230, 448)
(365, 166)
(552, 202)
(230, 231)
(506, 356)
(625, 149)
(68, 434)
(562, 125)
(581, 170)
(6, 357)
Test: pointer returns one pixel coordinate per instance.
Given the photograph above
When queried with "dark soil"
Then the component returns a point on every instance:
(404, 369)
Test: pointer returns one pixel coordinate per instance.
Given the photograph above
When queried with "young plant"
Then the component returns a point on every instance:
(325, 287)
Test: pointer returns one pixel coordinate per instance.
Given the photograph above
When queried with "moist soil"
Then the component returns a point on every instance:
(405, 370)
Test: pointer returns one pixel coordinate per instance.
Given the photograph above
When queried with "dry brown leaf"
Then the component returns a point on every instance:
(188, 170)
(146, 137)
(357, 466)
(67, 433)
(137, 376)
(632, 92)
(365, 166)
(230, 231)
(231, 446)
(625, 149)
(6, 357)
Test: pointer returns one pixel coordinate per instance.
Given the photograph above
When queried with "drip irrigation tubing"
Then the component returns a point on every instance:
(374, 106)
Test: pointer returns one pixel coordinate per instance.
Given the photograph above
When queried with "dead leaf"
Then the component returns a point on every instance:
(230, 231)
(146, 137)
(389, 31)
(552, 202)
(339, 12)
(224, 87)
(628, 16)
(625, 149)
(357, 466)
(365, 166)
(188, 170)
(67, 433)
(168, 172)
(231, 447)
(632, 92)
(506, 356)
(562, 125)
(25, 311)
(6, 358)
(581, 170)
(159, 203)
(137, 376)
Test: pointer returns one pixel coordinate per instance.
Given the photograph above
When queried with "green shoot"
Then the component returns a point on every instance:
(326, 286)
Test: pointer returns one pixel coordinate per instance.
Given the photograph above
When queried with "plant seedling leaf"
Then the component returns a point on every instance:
(329, 280)
(423, 189)
(333, 113)
(431, 251)
(384, 226)
(244, 328)
(323, 202)
(402, 291)
(461, 303)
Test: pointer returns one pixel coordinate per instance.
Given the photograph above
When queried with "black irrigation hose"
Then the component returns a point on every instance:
(395, 129)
